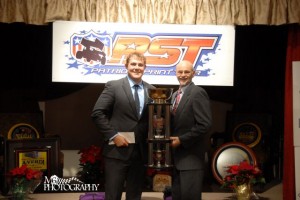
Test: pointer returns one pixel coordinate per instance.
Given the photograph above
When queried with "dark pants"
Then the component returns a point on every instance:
(187, 184)
(120, 173)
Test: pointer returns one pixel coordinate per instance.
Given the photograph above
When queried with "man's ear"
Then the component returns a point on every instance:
(194, 72)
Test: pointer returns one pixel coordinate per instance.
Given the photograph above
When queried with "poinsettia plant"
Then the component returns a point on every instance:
(24, 179)
(91, 164)
(243, 173)
(25, 173)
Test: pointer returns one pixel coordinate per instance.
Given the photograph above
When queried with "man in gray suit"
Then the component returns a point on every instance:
(124, 125)
(190, 123)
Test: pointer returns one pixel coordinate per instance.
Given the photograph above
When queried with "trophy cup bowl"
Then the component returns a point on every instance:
(160, 95)
(158, 124)
(158, 157)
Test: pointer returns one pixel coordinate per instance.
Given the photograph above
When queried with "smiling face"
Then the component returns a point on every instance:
(135, 65)
(185, 72)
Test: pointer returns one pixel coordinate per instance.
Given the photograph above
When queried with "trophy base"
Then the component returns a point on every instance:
(161, 166)
(159, 140)
(159, 136)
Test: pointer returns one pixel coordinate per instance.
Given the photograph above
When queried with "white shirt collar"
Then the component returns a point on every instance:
(132, 83)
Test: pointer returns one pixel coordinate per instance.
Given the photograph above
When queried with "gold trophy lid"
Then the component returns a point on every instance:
(160, 95)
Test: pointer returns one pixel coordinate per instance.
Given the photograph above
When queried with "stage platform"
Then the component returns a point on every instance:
(274, 193)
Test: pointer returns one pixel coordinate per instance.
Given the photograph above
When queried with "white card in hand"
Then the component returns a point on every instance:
(128, 135)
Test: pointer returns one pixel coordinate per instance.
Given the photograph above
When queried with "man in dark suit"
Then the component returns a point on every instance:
(190, 123)
(124, 126)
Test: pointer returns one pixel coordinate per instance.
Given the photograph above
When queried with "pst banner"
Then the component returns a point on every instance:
(91, 52)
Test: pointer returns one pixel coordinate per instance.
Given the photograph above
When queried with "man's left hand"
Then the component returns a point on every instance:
(175, 141)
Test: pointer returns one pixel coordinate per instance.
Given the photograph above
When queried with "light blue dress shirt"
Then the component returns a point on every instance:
(140, 92)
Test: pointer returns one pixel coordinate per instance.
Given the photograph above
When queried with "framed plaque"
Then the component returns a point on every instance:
(35, 158)
(42, 154)
(231, 153)
(248, 133)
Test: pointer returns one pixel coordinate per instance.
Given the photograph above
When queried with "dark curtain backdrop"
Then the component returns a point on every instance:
(293, 54)
(260, 61)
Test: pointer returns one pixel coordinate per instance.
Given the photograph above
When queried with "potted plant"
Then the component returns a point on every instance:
(241, 178)
(91, 165)
(23, 180)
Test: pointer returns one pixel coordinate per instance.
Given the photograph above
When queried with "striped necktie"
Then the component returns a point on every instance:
(178, 96)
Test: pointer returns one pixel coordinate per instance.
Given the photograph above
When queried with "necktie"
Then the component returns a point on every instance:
(136, 99)
(177, 101)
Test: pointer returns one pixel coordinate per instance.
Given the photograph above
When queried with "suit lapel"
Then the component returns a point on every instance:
(127, 90)
(146, 99)
(184, 98)
(173, 97)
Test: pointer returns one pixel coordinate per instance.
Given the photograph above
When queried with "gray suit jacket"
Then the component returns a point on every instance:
(115, 111)
(191, 124)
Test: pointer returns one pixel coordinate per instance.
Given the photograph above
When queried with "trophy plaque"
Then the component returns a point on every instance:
(159, 128)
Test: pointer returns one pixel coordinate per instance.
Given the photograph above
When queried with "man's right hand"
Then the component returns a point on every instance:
(120, 141)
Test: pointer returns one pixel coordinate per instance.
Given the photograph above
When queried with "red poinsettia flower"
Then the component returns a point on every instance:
(91, 164)
(25, 172)
(242, 173)
(90, 154)
(234, 169)
(244, 165)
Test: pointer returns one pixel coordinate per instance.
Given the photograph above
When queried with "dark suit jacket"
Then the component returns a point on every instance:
(115, 111)
(191, 124)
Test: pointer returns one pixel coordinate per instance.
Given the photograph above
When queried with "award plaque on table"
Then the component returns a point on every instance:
(40, 154)
(23, 131)
(22, 125)
(248, 133)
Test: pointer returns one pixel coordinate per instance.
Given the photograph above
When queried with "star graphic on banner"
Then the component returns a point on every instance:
(73, 65)
(207, 59)
(77, 40)
(82, 32)
(105, 42)
(131, 46)
(201, 63)
(205, 72)
(91, 37)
